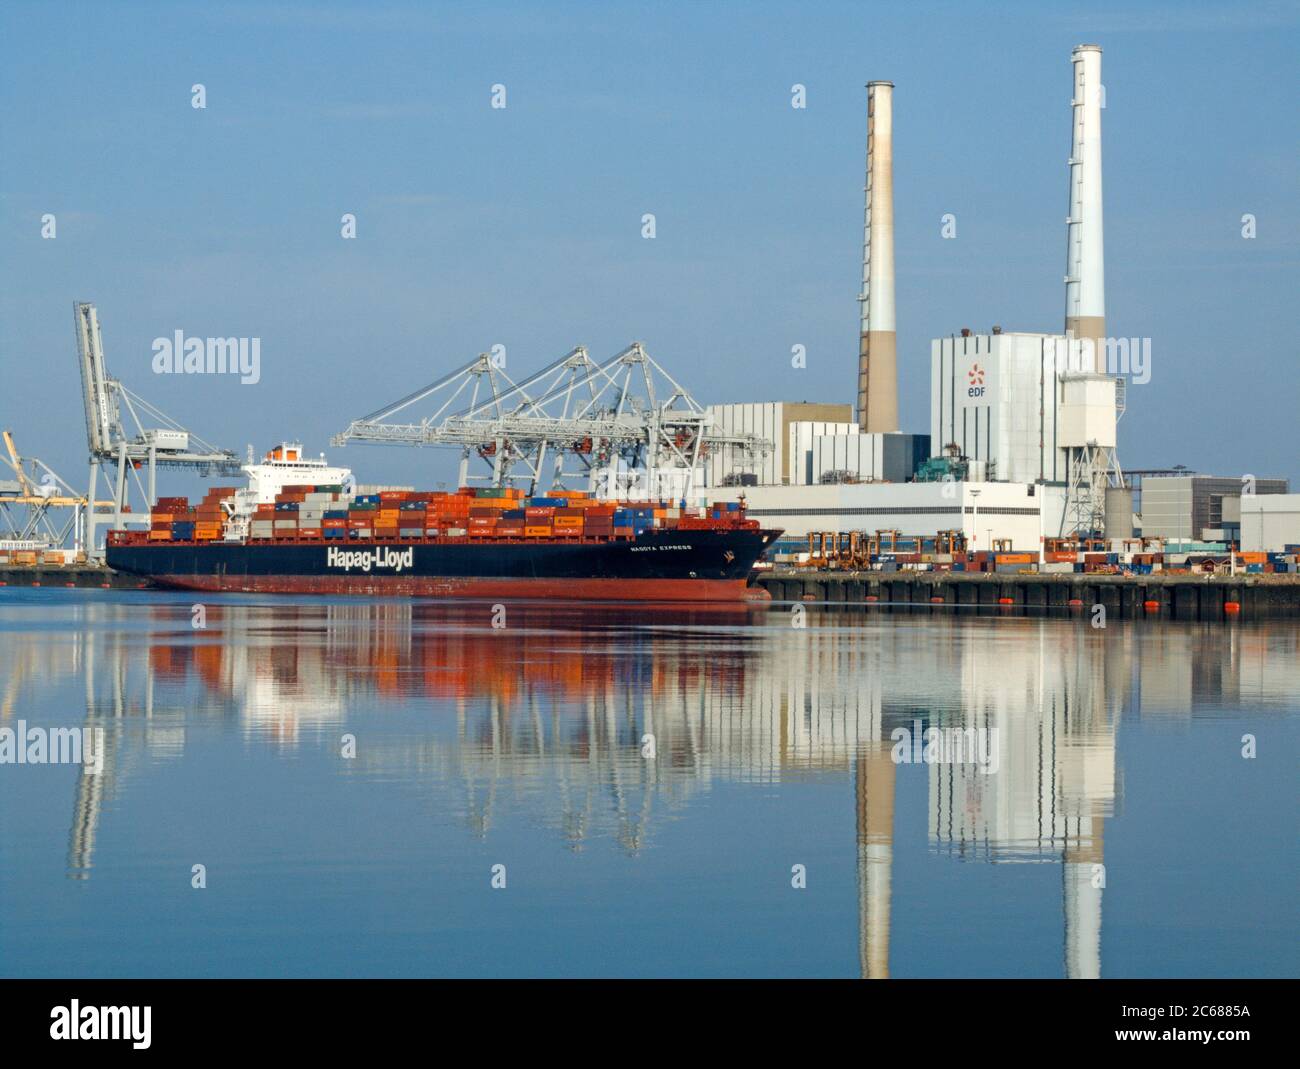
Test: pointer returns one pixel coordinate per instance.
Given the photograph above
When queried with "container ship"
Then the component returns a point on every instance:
(301, 526)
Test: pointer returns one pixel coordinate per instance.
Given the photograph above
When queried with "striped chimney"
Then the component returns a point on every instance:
(877, 349)
(1085, 271)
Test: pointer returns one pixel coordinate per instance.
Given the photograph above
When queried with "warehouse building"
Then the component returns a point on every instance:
(1269, 522)
(1199, 507)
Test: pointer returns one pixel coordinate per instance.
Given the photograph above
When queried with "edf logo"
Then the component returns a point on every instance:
(976, 379)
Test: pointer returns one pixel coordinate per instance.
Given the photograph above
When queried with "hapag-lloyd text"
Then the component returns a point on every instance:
(366, 559)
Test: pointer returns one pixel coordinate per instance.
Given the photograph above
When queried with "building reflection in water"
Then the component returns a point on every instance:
(554, 711)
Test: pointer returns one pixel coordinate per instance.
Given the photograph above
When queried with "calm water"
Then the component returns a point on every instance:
(1117, 759)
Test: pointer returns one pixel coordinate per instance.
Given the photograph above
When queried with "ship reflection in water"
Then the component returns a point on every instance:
(600, 726)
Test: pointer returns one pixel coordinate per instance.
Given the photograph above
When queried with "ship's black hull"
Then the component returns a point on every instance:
(659, 565)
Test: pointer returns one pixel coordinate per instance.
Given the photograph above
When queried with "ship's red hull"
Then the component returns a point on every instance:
(676, 590)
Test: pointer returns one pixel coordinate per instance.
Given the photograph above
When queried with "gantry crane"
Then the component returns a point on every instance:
(166, 444)
(29, 501)
(625, 427)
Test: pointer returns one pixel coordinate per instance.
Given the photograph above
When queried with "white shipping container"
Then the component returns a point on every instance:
(168, 439)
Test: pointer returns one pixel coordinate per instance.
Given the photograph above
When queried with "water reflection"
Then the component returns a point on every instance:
(551, 715)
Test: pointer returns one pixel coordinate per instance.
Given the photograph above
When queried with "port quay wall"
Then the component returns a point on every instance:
(1124, 597)
(1183, 597)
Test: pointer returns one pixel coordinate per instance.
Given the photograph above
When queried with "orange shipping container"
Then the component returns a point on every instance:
(536, 532)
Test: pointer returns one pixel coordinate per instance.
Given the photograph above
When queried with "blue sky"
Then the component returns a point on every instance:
(522, 226)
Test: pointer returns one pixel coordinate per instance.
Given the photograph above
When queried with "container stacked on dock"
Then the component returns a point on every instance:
(889, 552)
(28, 554)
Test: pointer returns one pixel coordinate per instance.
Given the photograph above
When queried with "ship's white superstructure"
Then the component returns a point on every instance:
(285, 465)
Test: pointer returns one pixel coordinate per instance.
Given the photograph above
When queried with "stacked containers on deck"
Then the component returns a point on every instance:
(362, 512)
(209, 515)
(334, 514)
(171, 520)
(318, 502)
(287, 504)
(307, 512)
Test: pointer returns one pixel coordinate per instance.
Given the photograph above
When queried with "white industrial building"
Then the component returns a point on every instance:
(1022, 513)
(1022, 406)
(818, 451)
(1269, 522)
(803, 435)
(892, 457)
(805, 450)
(770, 421)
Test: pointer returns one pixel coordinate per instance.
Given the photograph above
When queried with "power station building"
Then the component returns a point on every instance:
(1023, 426)
(1026, 408)
(771, 421)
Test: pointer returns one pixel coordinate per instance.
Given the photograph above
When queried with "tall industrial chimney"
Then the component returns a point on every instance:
(877, 349)
(1085, 272)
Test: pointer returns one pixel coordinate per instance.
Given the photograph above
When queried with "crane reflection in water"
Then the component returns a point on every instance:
(555, 715)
